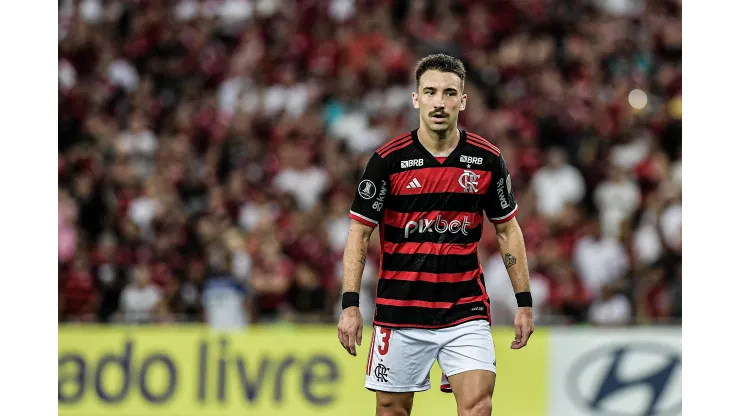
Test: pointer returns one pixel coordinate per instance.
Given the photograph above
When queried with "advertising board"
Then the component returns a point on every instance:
(615, 372)
(192, 371)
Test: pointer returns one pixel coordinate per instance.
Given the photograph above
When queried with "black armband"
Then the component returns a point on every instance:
(350, 299)
(524, 299)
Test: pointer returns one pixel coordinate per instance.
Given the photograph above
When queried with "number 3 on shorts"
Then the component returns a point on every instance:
(384, 341)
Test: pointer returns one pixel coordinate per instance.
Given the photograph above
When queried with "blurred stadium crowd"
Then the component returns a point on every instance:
(209, 150)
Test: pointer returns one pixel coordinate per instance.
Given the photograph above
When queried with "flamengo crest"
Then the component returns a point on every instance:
(469, 181)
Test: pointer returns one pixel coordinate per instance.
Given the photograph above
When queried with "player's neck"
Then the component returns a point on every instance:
(439, 143)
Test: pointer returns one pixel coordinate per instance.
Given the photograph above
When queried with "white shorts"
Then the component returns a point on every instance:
(400, 359)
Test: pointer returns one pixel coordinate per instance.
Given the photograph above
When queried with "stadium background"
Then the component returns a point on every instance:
(209, 151)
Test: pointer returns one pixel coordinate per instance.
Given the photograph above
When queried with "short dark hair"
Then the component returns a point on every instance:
(440, 62)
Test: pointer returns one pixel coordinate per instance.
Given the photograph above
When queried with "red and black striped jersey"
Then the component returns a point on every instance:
(430, 215)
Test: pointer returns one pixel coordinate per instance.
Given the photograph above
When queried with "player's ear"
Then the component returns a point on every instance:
(415, 99)
(463, 101)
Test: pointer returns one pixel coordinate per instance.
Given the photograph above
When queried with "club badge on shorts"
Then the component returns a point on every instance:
(381, 373)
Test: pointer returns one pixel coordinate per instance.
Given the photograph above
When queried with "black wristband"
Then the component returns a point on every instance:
(350, 299)
(524, 299)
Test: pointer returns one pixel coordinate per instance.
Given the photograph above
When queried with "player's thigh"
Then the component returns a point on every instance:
(399, 360)
(468, 361)
(473, 390)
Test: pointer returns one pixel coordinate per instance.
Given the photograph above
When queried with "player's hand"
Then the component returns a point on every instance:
(524, 327)
(349, 330)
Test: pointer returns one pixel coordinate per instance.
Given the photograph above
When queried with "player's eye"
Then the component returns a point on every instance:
(429, 93)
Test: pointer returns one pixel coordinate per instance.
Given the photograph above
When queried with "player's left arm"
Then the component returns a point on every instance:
(511, 241)
(501, 207)
(513, 253)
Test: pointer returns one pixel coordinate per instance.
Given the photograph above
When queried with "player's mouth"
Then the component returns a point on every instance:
(439, 118)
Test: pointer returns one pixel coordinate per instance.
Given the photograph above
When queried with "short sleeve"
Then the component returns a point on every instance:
(371, 193)
(500, 204)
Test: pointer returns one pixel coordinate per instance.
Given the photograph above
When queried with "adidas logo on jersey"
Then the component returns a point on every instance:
(413, 184)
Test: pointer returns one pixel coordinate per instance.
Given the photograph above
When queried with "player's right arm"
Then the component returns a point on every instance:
(349, 329)
(366, 214)
(355, 254)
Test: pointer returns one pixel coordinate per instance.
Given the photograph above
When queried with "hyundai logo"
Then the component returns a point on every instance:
(636, 379)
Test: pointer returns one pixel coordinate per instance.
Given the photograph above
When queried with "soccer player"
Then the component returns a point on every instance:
(428, 191)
